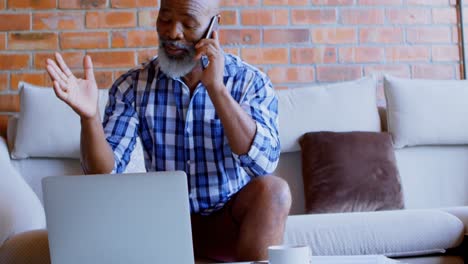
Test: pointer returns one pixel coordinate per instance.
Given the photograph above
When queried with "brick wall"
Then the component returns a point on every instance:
(296, 42)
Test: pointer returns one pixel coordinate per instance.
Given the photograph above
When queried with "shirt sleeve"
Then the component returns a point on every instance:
(261, 103)
(121, 121)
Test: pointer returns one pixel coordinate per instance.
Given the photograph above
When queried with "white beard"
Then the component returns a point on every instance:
(176, 68)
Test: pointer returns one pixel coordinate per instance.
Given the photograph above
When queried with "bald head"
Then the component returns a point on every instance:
(209, 7)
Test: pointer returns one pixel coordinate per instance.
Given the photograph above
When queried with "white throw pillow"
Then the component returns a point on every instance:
(339, 107)
(47, 127)
(427, 112)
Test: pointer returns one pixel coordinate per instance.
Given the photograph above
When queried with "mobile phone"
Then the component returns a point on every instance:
(213, 23)
(211, 27)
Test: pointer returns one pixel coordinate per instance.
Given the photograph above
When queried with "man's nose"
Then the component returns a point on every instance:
(175, 31)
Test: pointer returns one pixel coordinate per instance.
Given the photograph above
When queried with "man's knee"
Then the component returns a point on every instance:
(30, 247)
(274, 191)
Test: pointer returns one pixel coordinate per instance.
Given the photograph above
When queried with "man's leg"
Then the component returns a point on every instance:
(261, 209)
(253, 220)
(30, 247)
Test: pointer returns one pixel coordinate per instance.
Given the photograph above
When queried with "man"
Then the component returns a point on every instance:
(199, 110)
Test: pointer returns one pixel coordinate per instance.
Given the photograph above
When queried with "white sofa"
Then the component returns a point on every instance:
(44, 141)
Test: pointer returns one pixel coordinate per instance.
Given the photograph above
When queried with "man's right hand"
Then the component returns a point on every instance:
(80, 94)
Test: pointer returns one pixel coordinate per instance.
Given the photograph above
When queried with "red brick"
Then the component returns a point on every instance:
(361, 54)
(2, 4)
(265, 55)
(119, 39)
(3, 125)
(239, 36)
(73, 59)
(408, 53)
(434, 71)
(399, 70)
(251, 17)
(113, 59)
(427, 2)
(140, 38)
(58, 21)
(313, 55)
(36, 78)
(9, 103)
(114, 19)
(84, 40)
(227, 3)
(31, 4)
(285, 36)
(133, 3)
(82, 4)
(381, 35)
(334, 35)
(408, 16)
(316, 16)
(14, 61)
(234, 51)
(299, 74)
(285, 2)
(32, 41)
(2, 41)
(133, 39)
(429, 35)
(444, 15)
(333, 2)
(146, 55)
(362, 16)
(3, 81)
(229, 17)
(379, 2)
(15, 21)
(117, 74)
(445, 53)
(147, 18)
(338, 73)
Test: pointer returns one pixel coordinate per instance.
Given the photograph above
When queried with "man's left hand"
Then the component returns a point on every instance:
(212, 76)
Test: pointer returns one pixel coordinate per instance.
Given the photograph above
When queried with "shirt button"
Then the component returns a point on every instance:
(188, 162)
(189, 130)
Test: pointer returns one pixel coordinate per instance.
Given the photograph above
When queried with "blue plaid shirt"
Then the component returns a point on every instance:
(183, 132)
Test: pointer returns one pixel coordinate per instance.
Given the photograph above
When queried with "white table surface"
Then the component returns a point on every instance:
(367, 259)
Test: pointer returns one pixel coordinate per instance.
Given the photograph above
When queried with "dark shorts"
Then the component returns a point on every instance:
(215, 235)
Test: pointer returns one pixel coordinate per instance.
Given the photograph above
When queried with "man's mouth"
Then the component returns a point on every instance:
(174, 50)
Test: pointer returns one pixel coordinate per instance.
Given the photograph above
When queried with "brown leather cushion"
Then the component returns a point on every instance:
(350, 172)
(30, 247)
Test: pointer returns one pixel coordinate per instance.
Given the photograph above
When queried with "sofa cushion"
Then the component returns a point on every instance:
(339, 107)
(427, 112)
(399, 233)
(56, 126)
(350, 172)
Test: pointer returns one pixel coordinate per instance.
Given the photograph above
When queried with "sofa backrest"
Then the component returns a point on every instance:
(432, 175)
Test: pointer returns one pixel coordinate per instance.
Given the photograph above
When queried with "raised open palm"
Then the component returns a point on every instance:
(80, 94)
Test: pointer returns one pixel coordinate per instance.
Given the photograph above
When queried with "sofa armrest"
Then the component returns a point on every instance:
(20, 209)
(400, 233)
(461, 212)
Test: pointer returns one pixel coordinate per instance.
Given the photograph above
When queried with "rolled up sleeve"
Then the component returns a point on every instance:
(121, 121)
(261, 103)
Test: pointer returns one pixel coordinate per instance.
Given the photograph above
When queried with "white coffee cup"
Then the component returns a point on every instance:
(289, 254)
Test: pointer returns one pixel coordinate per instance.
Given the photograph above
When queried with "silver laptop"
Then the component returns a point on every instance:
(129, 218)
